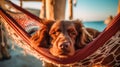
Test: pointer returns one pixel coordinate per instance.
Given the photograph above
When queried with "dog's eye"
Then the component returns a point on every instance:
(56, 32)
(72, 33)
(53, 32)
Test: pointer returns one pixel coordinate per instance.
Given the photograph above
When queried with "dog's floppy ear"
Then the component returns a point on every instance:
(41, 37)
(83, 36)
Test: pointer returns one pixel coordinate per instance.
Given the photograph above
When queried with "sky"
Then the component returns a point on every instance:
(85, 10)
(95, 10)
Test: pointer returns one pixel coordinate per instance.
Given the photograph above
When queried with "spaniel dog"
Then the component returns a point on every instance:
(63, 38)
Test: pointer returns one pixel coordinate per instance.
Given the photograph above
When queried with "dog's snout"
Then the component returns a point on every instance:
(64, 45)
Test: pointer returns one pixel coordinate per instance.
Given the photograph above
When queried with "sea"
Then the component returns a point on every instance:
(98, 25)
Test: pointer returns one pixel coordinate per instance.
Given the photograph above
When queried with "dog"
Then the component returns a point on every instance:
(63, 37)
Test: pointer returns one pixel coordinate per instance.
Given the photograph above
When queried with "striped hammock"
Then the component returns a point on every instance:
(104, 50)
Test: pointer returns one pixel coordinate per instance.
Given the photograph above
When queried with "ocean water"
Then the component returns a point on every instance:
(99, 25)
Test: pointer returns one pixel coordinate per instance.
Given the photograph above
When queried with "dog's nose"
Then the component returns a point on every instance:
(64, 45)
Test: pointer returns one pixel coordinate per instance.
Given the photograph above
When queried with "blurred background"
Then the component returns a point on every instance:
(86, 10)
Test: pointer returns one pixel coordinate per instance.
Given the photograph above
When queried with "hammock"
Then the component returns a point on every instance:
(105, 46)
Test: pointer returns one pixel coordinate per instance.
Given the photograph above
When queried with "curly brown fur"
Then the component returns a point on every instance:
(63, 38)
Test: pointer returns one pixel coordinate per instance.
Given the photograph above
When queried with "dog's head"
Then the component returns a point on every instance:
(62, 37)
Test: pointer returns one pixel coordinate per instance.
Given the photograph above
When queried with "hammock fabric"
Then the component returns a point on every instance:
(105, 46)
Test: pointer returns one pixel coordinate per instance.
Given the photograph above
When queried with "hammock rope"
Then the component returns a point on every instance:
(2, 35)
(105, 46)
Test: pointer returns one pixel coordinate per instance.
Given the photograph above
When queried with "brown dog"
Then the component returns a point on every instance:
(64, 37)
